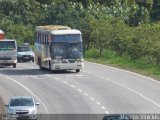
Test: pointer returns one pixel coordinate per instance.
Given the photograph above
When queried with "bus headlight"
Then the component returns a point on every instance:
(79, 60)
(55, 61)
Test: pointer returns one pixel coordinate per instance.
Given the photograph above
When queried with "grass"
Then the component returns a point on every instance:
(110, 58)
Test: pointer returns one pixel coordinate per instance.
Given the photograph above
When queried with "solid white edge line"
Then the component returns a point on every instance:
(126, 71)
(26, 88)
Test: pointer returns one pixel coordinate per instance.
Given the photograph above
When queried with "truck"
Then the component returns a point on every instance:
(2, 35)
(58, 47)
(8, 52)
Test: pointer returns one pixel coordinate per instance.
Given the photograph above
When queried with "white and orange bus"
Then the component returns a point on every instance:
(58, 48)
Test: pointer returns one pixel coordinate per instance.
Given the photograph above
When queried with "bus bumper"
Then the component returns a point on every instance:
(71, 66)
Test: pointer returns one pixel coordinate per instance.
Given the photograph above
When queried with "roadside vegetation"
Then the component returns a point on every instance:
(110, 58)
(122, 33)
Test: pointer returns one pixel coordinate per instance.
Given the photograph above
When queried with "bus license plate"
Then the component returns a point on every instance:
(26, 57)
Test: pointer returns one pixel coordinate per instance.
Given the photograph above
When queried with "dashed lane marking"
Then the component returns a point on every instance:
(131, 90)
(84, 93)
(65, 82)
(79, 90)
(98, 103)
(92, 98)
(73, 86)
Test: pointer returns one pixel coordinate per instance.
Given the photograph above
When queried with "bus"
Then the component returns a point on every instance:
(8, 52)
(58, 48)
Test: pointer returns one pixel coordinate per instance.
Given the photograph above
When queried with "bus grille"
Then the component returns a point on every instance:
(71, 61)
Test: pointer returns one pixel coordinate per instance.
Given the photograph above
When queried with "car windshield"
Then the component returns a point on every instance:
(21, 102)
(7, 45)
(24, 49)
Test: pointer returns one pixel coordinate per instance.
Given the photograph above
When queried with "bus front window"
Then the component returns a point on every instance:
(59, 50)
(75, 50)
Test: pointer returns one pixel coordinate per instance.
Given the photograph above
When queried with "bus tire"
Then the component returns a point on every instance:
(77, 70)
(14, 65)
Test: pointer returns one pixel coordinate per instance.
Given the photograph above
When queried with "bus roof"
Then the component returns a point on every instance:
(51, 27)
(65, 32)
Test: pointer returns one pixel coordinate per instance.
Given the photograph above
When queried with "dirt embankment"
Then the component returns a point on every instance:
(1, 108)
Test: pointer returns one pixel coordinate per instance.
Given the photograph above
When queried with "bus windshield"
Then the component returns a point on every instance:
(7, 45)
(75, 50)
(66, 50)
(59, 50)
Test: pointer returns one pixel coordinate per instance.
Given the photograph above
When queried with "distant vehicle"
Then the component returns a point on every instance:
(8, 52)
(25, 53)
(58, 48)
(22, 107)
(25, 44)
(2, 35)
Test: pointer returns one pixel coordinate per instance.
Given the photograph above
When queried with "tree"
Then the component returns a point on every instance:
(155, 13)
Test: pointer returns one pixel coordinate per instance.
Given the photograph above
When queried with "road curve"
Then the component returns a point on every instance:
(97, 89)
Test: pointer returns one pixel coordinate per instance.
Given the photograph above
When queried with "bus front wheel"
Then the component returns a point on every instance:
(77, 70)
(14, 65)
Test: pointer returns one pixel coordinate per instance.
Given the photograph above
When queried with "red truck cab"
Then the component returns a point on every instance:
(2, 36)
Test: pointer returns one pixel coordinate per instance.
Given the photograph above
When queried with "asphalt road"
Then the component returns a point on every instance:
(97, 89)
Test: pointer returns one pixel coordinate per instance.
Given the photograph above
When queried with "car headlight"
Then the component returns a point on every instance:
(33, 112)
(11, 111)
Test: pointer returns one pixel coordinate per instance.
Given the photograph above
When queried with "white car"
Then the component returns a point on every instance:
(22, 107)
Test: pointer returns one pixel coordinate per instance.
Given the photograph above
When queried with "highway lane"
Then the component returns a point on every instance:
(56, 97)
(96, 89)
